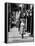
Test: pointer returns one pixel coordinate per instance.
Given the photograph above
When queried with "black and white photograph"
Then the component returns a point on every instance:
(19, 22)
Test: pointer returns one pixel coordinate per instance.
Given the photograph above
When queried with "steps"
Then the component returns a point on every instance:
(14, 33)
